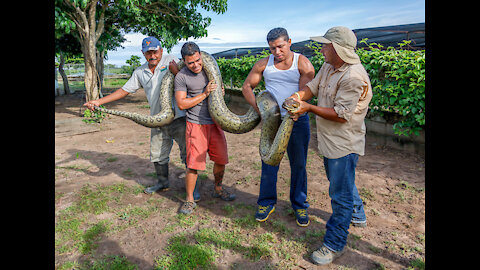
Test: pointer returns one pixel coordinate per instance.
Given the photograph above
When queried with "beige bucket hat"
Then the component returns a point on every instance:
(344, 42)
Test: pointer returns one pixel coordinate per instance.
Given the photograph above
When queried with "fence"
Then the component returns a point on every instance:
(75, 76)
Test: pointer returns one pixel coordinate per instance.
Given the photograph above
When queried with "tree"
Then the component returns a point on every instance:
(134, 62)
(168, 20)
(66, 47)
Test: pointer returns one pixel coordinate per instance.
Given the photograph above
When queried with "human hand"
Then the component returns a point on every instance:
(211, 86)
(291, 104)
(301, 109)
(91, 104)
(173, 67)
(295, 107)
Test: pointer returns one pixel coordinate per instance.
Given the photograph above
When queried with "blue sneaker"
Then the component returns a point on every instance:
(263, 212)
(302, 217)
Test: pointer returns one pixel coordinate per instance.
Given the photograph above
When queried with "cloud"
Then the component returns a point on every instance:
(133, 40)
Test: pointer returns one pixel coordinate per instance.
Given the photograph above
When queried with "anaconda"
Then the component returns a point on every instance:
(166, 114)
(275, 132)
(274, 135)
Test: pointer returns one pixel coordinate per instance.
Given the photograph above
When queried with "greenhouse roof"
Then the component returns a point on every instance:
(386, 36)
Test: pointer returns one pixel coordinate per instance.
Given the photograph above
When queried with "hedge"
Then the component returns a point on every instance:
(397, 77)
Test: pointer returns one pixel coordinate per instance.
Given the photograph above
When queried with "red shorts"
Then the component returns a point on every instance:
(203, 139)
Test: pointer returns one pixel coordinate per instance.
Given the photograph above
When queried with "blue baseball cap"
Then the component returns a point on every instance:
(150, 43)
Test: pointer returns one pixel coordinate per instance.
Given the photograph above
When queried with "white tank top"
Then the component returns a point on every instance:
(281, 83)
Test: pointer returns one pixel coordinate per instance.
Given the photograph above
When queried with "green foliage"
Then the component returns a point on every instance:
(397, 77)
(95, 116)
(236, 70)
(133, 63)
(169, 21)
(398, 82)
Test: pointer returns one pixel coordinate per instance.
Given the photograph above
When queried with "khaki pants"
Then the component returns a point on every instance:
(161, 141)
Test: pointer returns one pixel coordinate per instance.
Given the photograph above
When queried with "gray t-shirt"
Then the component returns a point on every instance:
(194, 84)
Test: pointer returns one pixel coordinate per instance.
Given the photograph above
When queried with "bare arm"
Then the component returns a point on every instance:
(252, 80)
(307, 72)
(120, 93)
(327, 113)
(186, 103)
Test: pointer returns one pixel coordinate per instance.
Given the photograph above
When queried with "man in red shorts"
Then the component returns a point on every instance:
(202, 135)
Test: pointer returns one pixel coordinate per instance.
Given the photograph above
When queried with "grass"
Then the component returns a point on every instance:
(187, 248)
(80, 85)
(193, 241)
(74, 232)
(186, 255)
(105, 262)
(199, 241)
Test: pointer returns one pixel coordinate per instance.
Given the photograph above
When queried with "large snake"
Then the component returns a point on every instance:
(275, 132)
(166, 114)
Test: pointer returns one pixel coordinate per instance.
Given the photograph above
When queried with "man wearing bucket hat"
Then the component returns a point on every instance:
(149, 76)
(344, 91)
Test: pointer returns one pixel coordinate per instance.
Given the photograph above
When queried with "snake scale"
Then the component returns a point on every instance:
(275, 133)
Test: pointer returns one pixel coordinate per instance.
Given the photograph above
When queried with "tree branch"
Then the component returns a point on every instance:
(101, 22)
(163, 9)
(92, 9)
(79, 17)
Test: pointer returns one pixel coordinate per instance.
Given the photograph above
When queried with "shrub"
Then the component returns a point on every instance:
(398, 82)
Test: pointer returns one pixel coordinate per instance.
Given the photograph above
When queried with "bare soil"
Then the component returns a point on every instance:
(391, 182)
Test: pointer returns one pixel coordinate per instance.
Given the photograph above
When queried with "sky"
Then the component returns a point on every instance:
(247, 22)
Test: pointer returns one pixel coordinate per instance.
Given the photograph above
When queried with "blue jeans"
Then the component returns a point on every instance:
(297, 150)
(346, 202)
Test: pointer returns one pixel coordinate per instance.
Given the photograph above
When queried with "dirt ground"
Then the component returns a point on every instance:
(391, 182)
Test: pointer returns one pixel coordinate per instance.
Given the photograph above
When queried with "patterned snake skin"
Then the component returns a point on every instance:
(275, 133)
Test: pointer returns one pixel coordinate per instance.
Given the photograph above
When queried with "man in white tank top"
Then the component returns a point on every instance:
(285, 72)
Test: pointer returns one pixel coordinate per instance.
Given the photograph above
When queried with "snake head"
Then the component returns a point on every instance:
(291, 105)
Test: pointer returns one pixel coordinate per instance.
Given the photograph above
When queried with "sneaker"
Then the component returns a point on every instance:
(361, 224)
(263, 212)
(187, 207)
(324, 255)
(224, 195)
(153, 189)
(302, 217)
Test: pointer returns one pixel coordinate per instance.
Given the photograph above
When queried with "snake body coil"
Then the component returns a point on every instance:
(166, 114)
(219, 111)
(275, 133)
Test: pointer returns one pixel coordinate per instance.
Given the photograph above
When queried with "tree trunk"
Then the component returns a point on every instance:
(66, 87)
(56, 82)
(100, 69)
(91, 75)
(89, 32)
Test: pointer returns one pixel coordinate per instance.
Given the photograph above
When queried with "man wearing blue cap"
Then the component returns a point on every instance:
(149, 76)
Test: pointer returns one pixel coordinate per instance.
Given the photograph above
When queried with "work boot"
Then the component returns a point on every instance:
(162, 175)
